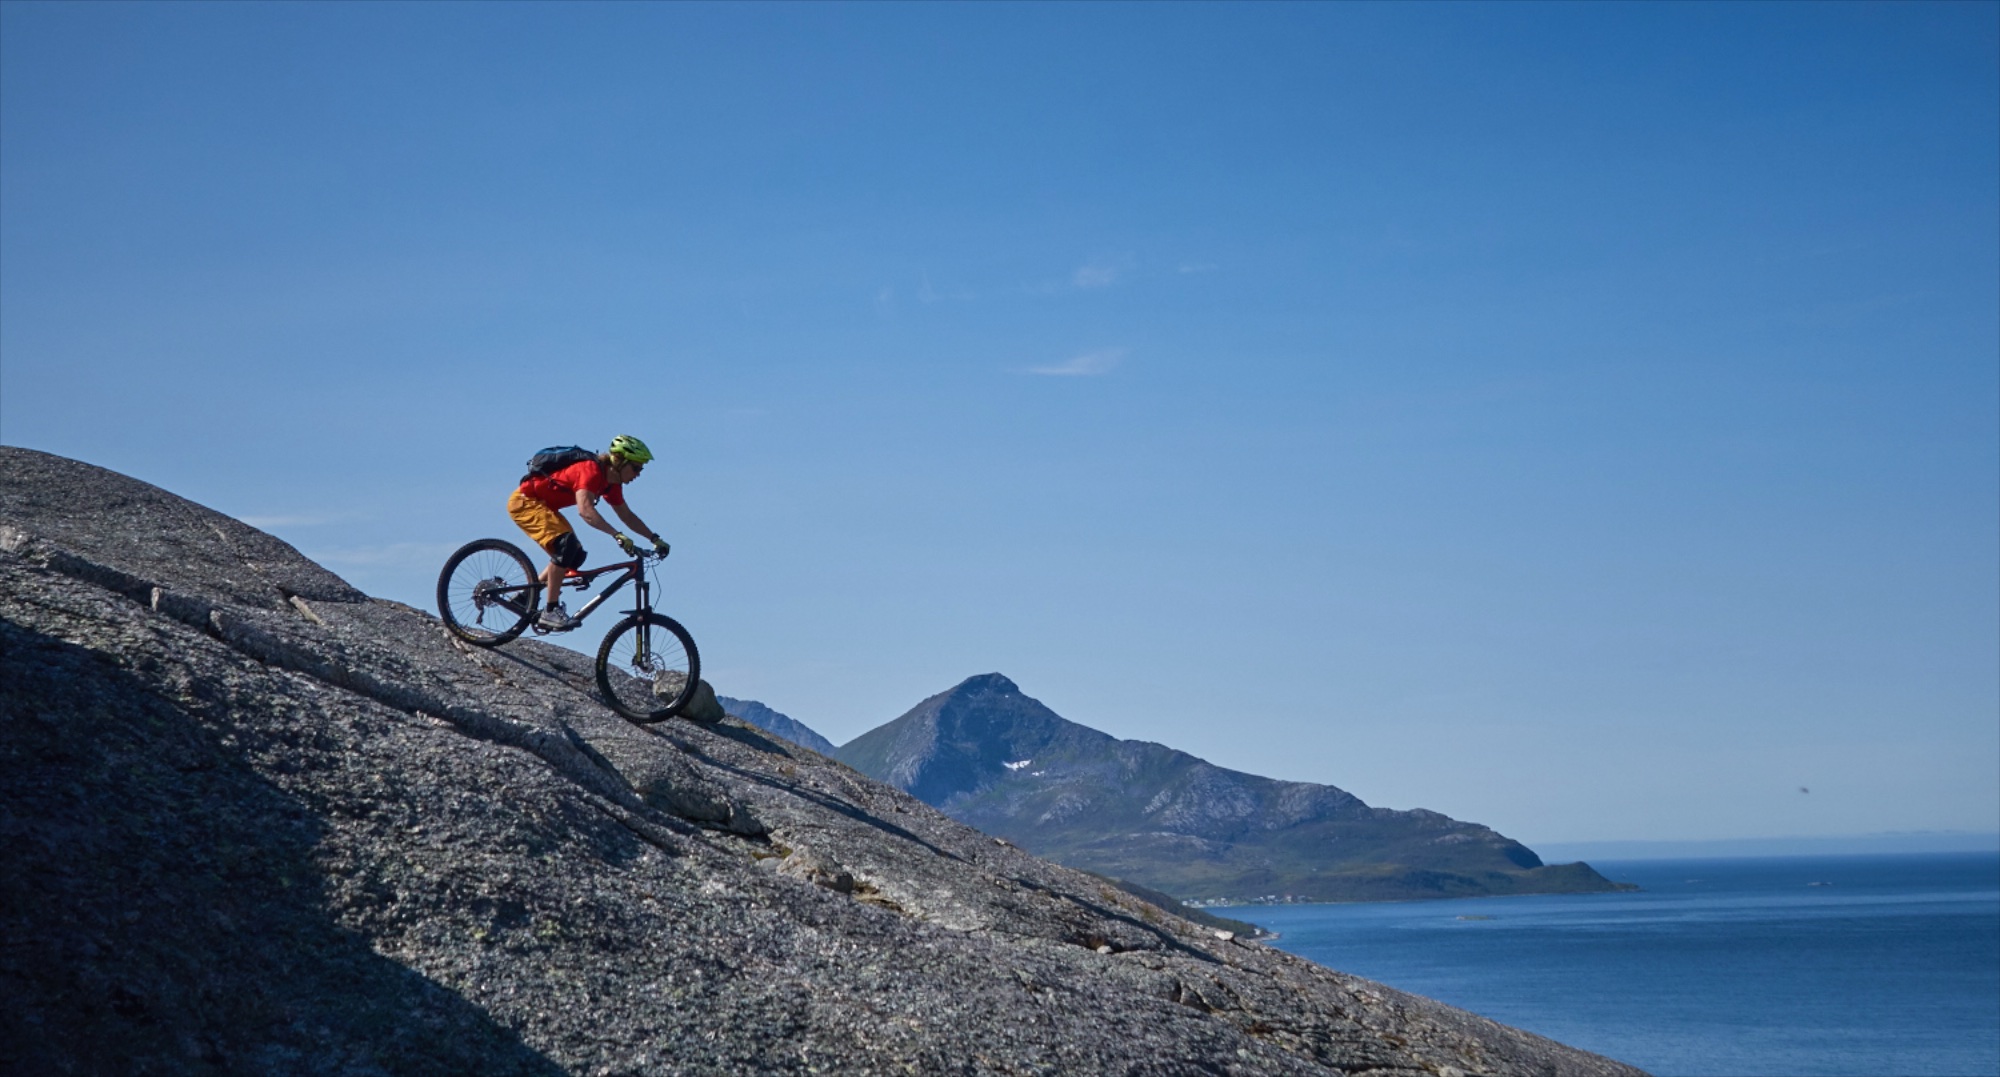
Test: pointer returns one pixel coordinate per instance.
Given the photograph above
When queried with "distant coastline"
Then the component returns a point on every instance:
(1916, 841)
(1748, 965)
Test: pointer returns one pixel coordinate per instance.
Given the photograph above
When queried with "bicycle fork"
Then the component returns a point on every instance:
(642, 651)
(643, 596)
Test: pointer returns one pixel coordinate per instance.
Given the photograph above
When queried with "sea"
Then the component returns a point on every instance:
(1871, 966)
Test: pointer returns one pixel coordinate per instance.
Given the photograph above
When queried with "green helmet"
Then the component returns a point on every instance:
(627, 447)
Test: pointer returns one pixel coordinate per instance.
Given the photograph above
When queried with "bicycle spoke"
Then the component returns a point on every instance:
(646, 669)
(486, 593)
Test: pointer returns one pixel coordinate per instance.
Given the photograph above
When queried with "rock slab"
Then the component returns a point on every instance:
(254, 821)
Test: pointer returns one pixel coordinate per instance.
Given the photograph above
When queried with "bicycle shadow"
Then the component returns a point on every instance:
(827, 801)
(684, 737)
(743, 733)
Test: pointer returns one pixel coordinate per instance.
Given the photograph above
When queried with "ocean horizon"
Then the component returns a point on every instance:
(1895, 841)
(1798, 966)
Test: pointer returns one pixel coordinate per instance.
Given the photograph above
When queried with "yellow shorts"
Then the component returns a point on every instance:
(542, 523)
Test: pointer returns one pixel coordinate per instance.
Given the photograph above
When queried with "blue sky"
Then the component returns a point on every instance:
(1584, 419)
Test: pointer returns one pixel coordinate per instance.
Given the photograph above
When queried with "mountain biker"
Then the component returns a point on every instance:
(537, 507)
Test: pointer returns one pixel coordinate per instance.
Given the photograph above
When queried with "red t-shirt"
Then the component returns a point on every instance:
(558, 490)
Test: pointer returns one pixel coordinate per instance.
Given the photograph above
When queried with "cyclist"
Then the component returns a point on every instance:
(537, 507)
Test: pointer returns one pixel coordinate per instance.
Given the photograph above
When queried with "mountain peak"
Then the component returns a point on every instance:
(962, 739)
(987, 683)
(990, 756)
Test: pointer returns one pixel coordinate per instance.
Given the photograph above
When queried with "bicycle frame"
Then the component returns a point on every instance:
(634, 569)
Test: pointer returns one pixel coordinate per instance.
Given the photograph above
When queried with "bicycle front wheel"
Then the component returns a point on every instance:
(647, 668)
(488, 592)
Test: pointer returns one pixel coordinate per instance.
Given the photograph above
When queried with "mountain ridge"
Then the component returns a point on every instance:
(990, 756)
(771, 721)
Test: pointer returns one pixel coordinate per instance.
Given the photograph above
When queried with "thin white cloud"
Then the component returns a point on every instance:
(393, 554)
(1102, 272)
(267, 522)
(1090, 276)
(302, 519)
(926, 292)
(1086, 365)
(1198, 267)
(1096, 275)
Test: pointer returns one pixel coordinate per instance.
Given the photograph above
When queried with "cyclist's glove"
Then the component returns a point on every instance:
(660, 546)
(625, 543)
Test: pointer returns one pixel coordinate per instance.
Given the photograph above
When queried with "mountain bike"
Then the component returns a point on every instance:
(647, 667)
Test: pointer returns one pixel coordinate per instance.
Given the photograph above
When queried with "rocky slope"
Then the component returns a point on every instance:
(253, 821)
(988, 755)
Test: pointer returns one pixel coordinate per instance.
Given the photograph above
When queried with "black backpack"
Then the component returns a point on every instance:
(554, 459)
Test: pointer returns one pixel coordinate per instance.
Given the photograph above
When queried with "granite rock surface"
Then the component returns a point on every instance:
(254, 821)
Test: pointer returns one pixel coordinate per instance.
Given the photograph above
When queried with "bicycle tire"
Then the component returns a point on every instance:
(648, 677)
(471, 575)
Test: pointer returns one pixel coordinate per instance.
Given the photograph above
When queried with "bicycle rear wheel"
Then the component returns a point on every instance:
(647, 668)
(488, 592)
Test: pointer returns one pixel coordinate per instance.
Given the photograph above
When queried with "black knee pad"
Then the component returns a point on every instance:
(567, 551)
